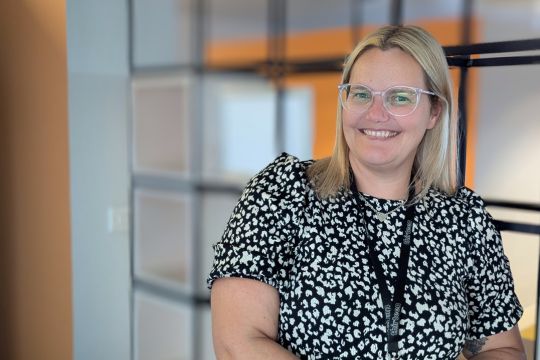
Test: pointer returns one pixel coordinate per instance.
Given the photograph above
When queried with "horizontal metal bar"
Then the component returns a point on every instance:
(174, 295)
(269, 69)
(220, 188)
(512, 205)
(507, 61)
(493, 61)
(334, 64)
(162, 182)
(517, 227)
(166, 69)
(186, 184)
(245, 68)
(493, 47)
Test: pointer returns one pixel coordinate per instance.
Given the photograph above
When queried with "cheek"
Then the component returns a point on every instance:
(349, 121)
(348, 129)
(419, 123)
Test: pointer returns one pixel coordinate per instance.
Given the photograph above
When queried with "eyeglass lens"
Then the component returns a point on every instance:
(398, 100)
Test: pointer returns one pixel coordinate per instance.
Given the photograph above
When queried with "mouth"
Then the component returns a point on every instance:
(379, 134)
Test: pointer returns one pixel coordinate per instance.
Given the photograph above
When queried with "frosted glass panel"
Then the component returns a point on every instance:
(374, 12)
(163, 330)
(507, 161)
(163, 237)
(161, 130)
(217, 209)
(239, 127)
(237, 31)
(422, 10)
(303, 15)
(320, 22)
(508, 20)
(299, 120)
(162, 32)
(315, 15)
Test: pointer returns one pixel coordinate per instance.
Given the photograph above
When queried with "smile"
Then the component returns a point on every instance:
(384, 134)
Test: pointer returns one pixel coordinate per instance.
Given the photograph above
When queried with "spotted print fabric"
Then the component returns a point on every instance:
(314, 252)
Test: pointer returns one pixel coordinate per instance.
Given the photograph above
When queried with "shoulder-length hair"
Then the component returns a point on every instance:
(435, 164)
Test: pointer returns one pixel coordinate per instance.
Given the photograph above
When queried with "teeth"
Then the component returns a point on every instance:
(380, 133)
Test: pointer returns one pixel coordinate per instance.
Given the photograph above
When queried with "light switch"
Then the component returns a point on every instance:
(118, 219)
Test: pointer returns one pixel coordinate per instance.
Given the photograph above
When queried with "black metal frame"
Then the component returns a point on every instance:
(276, 68)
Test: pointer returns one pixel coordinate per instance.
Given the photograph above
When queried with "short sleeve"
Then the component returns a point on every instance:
(493, 304)
(260, 235)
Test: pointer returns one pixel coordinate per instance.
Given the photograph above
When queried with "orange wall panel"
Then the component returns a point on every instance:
(35, 250)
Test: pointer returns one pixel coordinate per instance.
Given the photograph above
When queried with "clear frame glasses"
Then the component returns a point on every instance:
(398, 100)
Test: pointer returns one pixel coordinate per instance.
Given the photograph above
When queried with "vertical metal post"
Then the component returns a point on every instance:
(467, 6)
(466, 21)
(197, 13)
(131, 40)
(356, 21)
(396, 12)
(462, 125)
(277, 21)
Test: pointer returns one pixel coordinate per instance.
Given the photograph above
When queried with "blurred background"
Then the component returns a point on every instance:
(129, 129)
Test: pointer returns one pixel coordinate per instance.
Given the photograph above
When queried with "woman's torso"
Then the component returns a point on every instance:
(331, 304)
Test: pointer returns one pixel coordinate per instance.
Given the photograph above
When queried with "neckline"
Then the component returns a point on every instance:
(379, 199)
(380, 204)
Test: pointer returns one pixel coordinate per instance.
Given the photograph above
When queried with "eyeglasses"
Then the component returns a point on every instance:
(397, 100)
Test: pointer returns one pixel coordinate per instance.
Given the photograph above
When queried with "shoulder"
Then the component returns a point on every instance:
(466, 207)
(284, 176)
(464, 198)
(469, 198)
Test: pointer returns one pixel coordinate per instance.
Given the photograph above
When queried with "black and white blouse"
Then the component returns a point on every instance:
(314, 252)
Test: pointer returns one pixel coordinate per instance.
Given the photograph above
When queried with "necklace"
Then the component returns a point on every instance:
(381, 216)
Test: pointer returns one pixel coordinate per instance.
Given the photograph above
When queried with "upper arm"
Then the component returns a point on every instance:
(509, 341)
(242, 309)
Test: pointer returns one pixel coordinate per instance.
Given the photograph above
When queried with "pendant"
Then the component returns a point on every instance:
(381, 217)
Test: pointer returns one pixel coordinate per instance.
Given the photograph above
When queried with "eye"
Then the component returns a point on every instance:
(360, 95)
(401, 97)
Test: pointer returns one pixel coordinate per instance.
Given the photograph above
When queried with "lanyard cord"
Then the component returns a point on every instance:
(392, 305)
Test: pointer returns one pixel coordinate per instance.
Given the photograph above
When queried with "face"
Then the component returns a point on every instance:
(377, 139)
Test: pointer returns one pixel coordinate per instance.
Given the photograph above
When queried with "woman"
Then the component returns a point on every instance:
(373, 253)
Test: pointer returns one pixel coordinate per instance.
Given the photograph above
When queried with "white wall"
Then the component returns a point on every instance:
(98, 114)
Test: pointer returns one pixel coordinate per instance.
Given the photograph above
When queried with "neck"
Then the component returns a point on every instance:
(391, 185)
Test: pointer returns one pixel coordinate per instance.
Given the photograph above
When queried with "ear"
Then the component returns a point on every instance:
(436, 110)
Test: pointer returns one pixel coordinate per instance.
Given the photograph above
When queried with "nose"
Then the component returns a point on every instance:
(377, 112)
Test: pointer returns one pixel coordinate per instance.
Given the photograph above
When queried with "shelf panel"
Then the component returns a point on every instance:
(161, 127)
(163, 237)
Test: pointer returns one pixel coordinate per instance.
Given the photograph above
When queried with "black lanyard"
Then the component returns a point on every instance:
(392, 305)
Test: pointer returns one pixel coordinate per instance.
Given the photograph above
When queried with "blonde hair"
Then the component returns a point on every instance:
(435, 164)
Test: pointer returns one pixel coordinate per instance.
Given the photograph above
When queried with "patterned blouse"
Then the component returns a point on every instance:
(459, 285)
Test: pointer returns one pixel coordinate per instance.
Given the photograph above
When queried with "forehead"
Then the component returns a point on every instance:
(380, 69)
